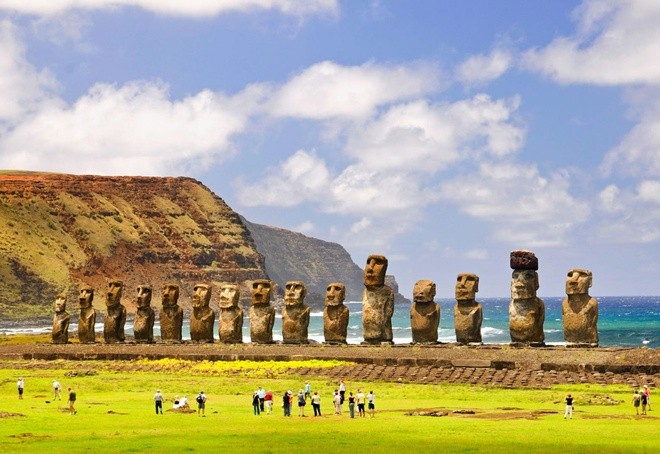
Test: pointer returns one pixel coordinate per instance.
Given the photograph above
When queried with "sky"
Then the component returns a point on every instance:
(441, 134)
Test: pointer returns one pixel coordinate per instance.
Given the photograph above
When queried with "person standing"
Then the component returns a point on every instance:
(256, 404)
(57, 390)
(158, 399)
(360, 399)
(372, 403)
(644, 400)
(342, 391)
(569, 406)
(72, 401)
(308, 391)
(262, 398)
(636, 400)
(301, 403)
(336, 400)
(21, 386)
(648, 396)
(268, 401)
(201, 404)
(351, 405)
(286, 403)
(316, 403)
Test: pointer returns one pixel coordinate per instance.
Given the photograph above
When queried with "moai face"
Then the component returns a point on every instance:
(335, 294)
(294, 293)
(229, 295)
(578, 282)
(467, 286)
(170, 296)
(524, 284)
(113, 298)
(424, 291)
(60, 304)
(144, 296)
(374, 271)
(85, 297)
(261, 289)
(201, 296)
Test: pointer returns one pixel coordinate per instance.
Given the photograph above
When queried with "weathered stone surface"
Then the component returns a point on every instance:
(230, 316)
(424, 313)
(579, 310)
(60, 333)
(87, 316)
(523, 260)
(171, 317)
(143, 325)
(526, 310)
(468, 314)
(202, 317)
(377, 302)
(295, 314)
(115, 314)
(262, 314)
(335, 314)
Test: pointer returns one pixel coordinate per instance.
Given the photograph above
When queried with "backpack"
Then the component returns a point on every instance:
(200, 399)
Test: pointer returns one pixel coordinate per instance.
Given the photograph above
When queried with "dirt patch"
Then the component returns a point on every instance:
(112, 412)
(29, 435)
(4, 414)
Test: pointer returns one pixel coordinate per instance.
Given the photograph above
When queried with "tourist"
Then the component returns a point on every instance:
(342, 391)
(268, 401)
(308, 391)
(72, 401)
(360, 399)
(372, 403)
(56, 390)
(644, 401)
(637, 399)
(158, 399)
(301, 403)
(176, 402)
(569, 406)
(351, 405)
(262, 396)
(256, 404)
(183, 403)
(201, 404)
(648, 396)
(316, 403)
(336, 400)
(21, 385)
(286, 403)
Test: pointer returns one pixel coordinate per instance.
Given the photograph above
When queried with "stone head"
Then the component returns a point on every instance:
(170, 296)
(201, 296)
(229, 296)
(60, 303)
(374, 271)
(424, 291)
(144, 296)
(335, 294)
(86, 296)
(467, 286)
(261, 289)
(113, 297)
(524, 284)
(294, 293)
(578, 282)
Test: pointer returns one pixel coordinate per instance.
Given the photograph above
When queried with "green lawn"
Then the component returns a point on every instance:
(116, 414)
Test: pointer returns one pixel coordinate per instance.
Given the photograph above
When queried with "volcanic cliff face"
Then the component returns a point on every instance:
(60, 231)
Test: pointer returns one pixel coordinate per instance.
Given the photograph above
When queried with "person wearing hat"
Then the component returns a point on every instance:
(158, 398)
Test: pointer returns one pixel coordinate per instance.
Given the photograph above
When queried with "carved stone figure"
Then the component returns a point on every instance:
(424, 313)
(202, 317)
(262, 314)
(468, 314)
(579, 310)
(171, 317)
(143, 325)
(295, 314)
(335, 314)
(230, 317)
(87, 316)
(115, 314)
(60, 334)
(526, 310)
(377, 302)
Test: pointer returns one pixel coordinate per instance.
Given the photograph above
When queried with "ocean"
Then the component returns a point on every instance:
(626, 321)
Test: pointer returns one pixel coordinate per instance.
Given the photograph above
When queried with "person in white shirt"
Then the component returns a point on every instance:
(56, 390)
(158, 399)
(21, 385)
(371, 399)
(336, 399)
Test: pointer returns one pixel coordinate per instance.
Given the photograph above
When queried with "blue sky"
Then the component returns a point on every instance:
(441, 134)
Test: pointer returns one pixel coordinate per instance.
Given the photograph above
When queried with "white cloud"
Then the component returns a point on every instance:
(649, 191)
(327, 90)
(630, 216)
(477, 254)
(191, 8)
(306, 227)
(480, 69)
(618, 42)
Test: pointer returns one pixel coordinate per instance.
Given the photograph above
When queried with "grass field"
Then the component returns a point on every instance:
(116, 414)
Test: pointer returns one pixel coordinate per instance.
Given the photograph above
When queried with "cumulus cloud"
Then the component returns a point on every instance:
(630, 215)
(480, 69)
(196, 8)
(617, 43)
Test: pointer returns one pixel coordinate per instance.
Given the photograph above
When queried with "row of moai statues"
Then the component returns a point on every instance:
(526, 310)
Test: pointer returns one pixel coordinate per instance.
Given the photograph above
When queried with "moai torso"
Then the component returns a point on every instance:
(295, 314)
(526, 310)
(579, 310)
(377, 302)
(202, 318)
(230, 317)
(262, 314)
(424, 313)
(87, 316)
(60, 333)
(335, 314)
(115, 315)
(468, 314)
(171, 317)
(143, 325)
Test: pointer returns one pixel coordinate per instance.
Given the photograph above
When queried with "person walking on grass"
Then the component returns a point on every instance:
(648, 396)
(636, 400)
(158, 399)
(57, 390)
(342, 391)
(21, 386)
(72, 401)
(569, 407)
(644, 400)
(351, 405)
(256, 404)
(360, 399)
(268, 401)
(372, 403)
(201, 404)
(316, 403)
(286, 403)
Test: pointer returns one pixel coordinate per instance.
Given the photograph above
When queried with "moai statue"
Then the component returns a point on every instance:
(262, 314)
(87, 316)
(335, 314)
(579, 310)
(143, 325)
(230, 317)
(295, 314)
(377, 302)
(115, 314)
(424, 313)
(202, 317)
(526, 310)
(60, 334)
(468, 314)
(171, 317)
